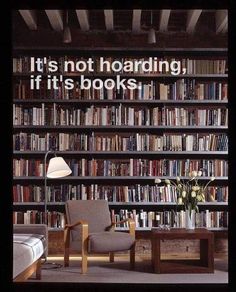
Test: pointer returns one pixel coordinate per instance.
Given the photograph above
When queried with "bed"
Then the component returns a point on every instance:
(29, 247)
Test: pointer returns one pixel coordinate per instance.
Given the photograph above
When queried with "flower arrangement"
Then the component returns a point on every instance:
(189, 193)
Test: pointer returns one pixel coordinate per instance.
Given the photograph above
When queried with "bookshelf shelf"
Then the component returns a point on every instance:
(206, 51)
(130, 129)
(164, 203)
(195, 86)
(139, 230)
(121, 101)
(142, 229)
(118, 180)
(123, 153)
(120, 204)
(149, 229)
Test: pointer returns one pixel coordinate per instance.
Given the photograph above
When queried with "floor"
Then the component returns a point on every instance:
(100, 270)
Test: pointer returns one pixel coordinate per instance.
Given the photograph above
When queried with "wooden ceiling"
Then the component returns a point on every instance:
(130, 21)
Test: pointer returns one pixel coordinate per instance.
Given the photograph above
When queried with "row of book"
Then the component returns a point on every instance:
(206, 218)
(153, 65)
(182, 89)
(113, 142)
(137, 193)
(54, 219)
(126, 167)
(118, 115)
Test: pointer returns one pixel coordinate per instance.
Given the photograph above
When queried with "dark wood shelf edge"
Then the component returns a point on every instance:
(130, 153)
(118, 49)
(112, 178)
(119, 101)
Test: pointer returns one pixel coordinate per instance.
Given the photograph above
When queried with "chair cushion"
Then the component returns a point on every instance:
(95, 212)
(110, 241)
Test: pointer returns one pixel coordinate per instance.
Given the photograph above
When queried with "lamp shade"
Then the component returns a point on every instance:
(151, 36)
(67, 35)
(58, 168)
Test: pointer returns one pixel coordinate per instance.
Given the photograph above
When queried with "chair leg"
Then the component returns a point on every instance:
(132, 257)
(66, 247)
(66, 257)
(111, 257)
(84, 265)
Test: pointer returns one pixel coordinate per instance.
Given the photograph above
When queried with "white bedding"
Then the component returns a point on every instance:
(27, 248)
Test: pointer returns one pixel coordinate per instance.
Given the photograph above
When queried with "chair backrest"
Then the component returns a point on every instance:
(95, 212)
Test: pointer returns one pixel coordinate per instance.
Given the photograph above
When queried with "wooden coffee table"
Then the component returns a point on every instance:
(203, 265)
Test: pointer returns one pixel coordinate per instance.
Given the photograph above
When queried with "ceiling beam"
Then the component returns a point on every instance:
(56, 19)
(82, 16)
(164, 20)
(29, 17)
(221, 20)
(136, 22)
(192, 19)
(109, 22)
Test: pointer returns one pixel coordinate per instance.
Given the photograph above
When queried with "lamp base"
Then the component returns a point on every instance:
(48, 266)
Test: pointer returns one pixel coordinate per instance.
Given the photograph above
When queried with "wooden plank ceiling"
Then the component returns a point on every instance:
(136, 21)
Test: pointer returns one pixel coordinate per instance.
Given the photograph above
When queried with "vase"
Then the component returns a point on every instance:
(190, 220)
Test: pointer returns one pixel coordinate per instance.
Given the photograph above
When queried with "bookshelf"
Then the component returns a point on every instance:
(133, 140)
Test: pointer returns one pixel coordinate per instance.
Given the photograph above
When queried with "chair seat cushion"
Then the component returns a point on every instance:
(110, 241)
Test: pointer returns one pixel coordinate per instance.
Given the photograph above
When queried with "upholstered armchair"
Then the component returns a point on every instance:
(89, 229)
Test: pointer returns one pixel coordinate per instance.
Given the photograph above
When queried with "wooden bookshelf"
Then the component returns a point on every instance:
(124, 154)
(120, 101)
(102, 180)
(205, 53)
(130, 129)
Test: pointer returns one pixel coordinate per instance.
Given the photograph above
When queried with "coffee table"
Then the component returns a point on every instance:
(203, 265)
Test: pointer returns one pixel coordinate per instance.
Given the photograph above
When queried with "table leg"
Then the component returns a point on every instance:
(204, 252)
(156, 255)
(211, 253)
(207, 253)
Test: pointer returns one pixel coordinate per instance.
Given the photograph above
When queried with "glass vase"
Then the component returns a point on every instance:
(190, 219)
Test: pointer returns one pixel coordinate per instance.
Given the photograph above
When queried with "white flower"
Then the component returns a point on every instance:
(167, 181)
(183, 194)
(178, 179)
(180, 201)
(212, 178)
(193, 194)
(199, 173)
(199, 198)
(195, 188)
(194, 173)
(157, 181)
(179, 186)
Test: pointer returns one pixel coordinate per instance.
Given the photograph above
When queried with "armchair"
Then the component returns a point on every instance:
(89, 229)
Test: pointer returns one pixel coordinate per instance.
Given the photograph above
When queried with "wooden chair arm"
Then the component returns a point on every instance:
(132, 227)
(80, 222)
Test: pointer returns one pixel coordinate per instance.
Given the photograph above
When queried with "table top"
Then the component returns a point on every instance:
(181, 233)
